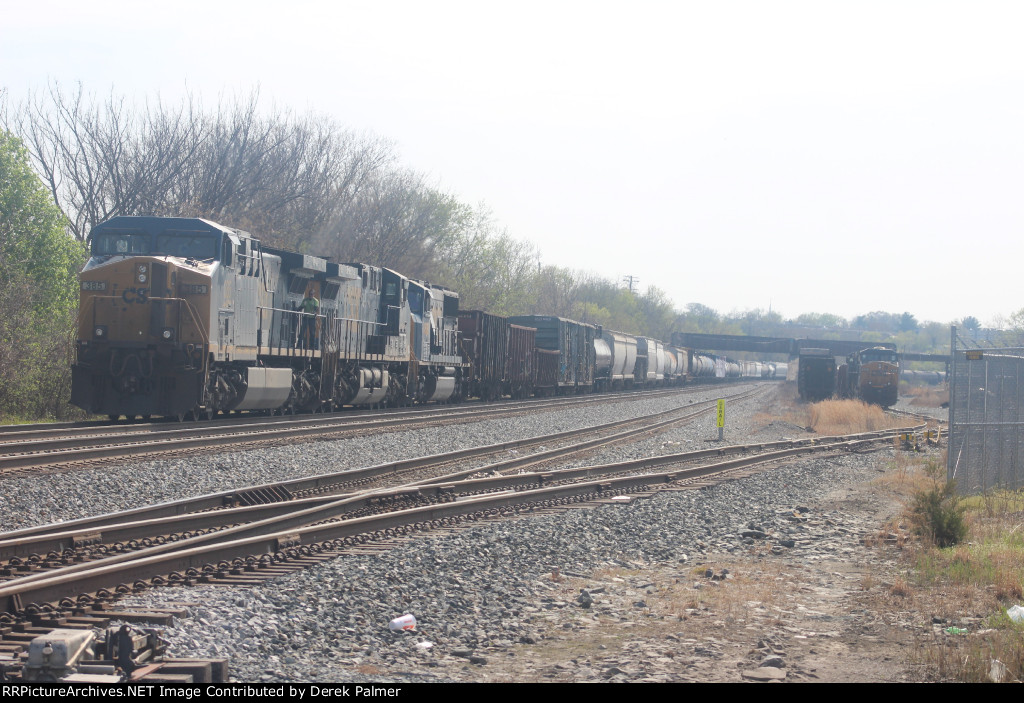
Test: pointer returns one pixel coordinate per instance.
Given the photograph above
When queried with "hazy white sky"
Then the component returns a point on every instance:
(812, 156)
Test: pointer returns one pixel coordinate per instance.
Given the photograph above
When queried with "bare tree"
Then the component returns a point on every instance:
(104, 159)
(393, 219)
(281, 176)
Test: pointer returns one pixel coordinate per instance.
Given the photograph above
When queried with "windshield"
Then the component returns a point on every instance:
(187, 245)
(114, 243)
(878, 355)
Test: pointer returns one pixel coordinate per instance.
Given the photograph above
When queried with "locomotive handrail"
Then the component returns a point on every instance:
(342, 319)
(328, 320)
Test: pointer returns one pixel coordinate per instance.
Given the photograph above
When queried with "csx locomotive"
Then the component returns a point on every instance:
(871, 375)
(181, 317)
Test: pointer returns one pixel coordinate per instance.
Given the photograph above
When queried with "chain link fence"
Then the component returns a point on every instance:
(986, 413)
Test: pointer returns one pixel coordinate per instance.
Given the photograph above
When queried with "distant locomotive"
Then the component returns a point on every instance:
(182, 317)
(871, 375)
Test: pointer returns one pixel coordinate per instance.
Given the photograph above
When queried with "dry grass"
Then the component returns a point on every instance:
(733, 599)
(926, 396)
(911, 473)
(840, 417)
(900, 588)
(998, 655)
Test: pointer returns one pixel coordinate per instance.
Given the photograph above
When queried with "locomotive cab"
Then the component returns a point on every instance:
(163, 300)
(144, 314)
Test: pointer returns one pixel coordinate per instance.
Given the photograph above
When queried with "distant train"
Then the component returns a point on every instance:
(182, 317)
(870, 374)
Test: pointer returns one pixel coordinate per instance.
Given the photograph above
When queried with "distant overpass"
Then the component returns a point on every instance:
(786, 345)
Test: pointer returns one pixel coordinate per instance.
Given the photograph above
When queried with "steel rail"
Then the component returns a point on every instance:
(13, 435)
(84, 529)
(286, 532)
(170, 441)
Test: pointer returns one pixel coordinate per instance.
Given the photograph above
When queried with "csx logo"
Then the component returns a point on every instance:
(135, 295)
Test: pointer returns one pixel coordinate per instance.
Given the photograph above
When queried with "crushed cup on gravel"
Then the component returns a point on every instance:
(406, 622)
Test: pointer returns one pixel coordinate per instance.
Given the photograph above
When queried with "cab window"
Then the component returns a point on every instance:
(187, 246)
(120, 244)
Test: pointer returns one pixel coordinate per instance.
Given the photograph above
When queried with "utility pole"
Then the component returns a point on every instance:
(630, 280)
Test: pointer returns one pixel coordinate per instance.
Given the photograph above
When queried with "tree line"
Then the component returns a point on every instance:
(71, 160)
(299, 182)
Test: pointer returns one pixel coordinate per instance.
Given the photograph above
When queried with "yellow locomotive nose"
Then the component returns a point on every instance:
(141, 336)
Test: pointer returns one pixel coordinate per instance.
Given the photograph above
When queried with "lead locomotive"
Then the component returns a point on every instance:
(183, 317)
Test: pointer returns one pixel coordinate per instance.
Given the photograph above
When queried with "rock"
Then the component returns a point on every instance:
(773, 661)
(764, 673)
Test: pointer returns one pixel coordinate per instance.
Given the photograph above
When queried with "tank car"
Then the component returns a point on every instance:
(620, 349)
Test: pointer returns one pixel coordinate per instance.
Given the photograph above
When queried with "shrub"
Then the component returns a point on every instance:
(938, 515)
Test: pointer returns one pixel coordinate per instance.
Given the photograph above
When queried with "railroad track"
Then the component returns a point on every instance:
(317, 528)
(917, 416)
(130, 530)
(45, 449)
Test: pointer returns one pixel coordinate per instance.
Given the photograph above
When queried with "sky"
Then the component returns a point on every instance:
(839, 157)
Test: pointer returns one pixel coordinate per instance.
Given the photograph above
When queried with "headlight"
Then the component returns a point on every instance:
(142, 268)
(142, 278)
(100, 332)
(168, 333)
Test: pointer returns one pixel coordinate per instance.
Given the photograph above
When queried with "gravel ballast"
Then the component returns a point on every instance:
(37, 500)
(479, 592)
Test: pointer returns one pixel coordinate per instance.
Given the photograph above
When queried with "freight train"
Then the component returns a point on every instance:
(182, 317)
(871, 375)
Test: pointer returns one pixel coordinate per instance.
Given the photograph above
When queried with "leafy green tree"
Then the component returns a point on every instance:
(1016, 320)
(822, 319)
(33, 240)
(907, 323)
(38, 265)
(699, 318)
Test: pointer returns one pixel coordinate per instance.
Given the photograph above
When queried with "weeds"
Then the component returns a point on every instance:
(971, 561)
(938, 516)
